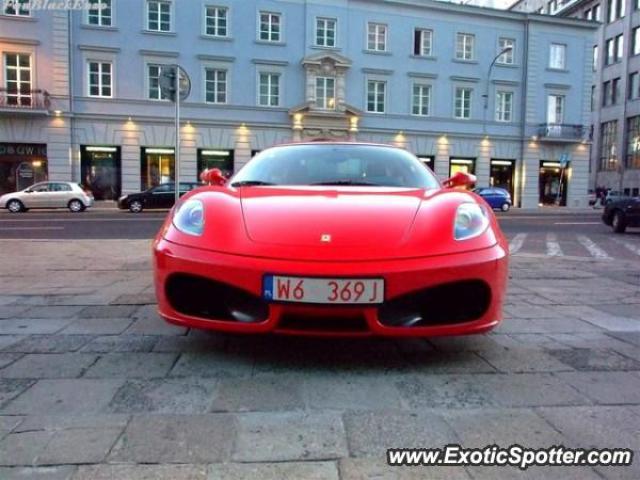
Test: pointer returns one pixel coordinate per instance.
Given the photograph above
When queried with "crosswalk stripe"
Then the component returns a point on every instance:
(593, 249)
(516, 243)
(553, 247)
(629, 246)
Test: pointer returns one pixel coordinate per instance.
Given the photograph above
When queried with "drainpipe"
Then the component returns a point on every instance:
(71, 90)
(523, 105)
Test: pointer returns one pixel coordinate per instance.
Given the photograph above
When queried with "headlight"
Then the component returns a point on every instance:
(471, 221)
(189, 217)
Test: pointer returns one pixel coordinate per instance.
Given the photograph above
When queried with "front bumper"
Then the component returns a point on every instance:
(402, 277)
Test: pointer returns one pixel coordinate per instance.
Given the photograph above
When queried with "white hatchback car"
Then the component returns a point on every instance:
(48, 195)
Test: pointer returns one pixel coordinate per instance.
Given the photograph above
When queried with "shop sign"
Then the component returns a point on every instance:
(23, 149)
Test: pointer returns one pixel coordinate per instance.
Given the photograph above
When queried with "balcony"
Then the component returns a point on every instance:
(562, 132)
(31, 101)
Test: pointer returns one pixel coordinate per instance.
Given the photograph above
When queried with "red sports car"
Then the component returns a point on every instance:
(332, 238)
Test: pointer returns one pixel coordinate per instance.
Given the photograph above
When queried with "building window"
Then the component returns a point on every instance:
(217, 21)
(635, 41)
(593, 97)
(269, 94)
(270, 27)
(594, 59)
(100, 79)
(633, 142)
(326, 32)
(421, 102)
(552, 6)
(619, 48)
(615, 91)
(153, 83)
(215, 85)
(597, 15)
(158, 16)
(610, 46)
(423, 42)
(376, 92)
(17, 78)
(377, 37)
(507, 57)
(504, 106)
(608, 154)
(606, 94)
(557, 56)
(326, 93)
(462, 103)
(555, 109)
(465, 45)
(616, 10)
(99, 16)
(18, 8)
(634, 86)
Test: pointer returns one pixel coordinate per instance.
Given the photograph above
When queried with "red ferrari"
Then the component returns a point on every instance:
(333, 238)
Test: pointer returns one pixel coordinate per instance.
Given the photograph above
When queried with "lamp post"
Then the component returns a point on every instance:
(486, 91)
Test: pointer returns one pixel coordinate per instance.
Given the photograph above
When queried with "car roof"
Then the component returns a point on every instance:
(334, 142)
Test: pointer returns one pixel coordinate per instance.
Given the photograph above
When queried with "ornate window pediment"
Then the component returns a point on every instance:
(325, 81)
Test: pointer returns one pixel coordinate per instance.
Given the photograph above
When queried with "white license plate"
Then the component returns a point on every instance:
(330, 291)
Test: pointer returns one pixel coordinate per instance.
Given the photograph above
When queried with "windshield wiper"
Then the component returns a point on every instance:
(250, 183)
(347, 182)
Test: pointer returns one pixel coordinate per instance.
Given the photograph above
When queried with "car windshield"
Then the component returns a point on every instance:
(336, 164)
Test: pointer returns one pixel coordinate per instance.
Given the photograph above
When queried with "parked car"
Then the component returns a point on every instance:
(162, 196)
(48, 195)
(497, 198)
(357, 242)
(622, 213)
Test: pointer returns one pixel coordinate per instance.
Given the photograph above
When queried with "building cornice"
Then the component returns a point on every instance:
(98, 48)
(19, 41)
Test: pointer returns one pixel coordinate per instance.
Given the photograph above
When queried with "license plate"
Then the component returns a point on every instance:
(331, 291)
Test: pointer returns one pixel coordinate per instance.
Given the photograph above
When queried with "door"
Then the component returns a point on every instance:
(161, 197)
(61, 194)
(39, 196)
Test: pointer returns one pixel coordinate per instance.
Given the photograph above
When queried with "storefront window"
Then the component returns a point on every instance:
(633, 142)
(501, 174)
(553, 179)
(428, 160)
(101, 171)
(21, 165)
(466, 165)
(157, 166)
(215, 158)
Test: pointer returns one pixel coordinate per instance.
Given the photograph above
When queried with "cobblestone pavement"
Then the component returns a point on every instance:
(93, 385)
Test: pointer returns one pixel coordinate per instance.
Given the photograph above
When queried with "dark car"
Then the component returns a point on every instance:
(162, 196)
(497, 198)
(623, 213)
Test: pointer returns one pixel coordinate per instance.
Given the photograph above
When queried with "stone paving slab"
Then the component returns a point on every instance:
(94, 385)
(176, 439)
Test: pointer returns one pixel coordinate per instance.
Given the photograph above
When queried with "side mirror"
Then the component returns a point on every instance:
(213, 177)
(28, 190)
(460, 179)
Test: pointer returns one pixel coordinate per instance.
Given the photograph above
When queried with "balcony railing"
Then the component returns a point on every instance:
(31, 100)
(557, 131)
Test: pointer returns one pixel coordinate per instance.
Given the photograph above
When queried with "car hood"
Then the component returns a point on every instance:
(331, 224)
(340, 217)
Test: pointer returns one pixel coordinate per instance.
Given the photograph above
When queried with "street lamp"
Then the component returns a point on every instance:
(486, 91)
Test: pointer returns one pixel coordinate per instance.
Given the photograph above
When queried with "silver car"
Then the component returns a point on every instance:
(48, 195)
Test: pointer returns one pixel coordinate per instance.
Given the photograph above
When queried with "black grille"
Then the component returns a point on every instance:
(200, 297)
(337, 324)
(446, 304)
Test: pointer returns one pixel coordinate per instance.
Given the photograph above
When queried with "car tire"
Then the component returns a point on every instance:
(618, 223)
(75, 206)
(15, 206)
(505, 207)
(135, 206)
